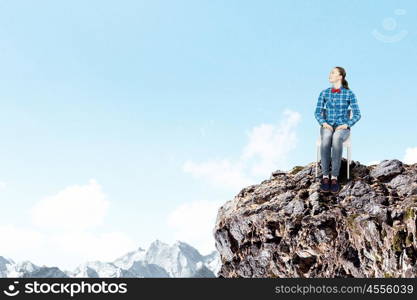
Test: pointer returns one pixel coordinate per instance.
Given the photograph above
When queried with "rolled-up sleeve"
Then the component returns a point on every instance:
(356, 114)
(318, 113)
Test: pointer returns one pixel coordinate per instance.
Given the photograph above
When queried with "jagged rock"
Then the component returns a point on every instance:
(278, 173)
(46, 272)
(404, 184)
(284, 227)
(387, 169)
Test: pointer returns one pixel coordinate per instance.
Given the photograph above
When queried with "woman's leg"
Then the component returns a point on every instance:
(325, 149)
(339, 136)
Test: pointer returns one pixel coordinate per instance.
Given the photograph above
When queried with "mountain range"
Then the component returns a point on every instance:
(159, 260)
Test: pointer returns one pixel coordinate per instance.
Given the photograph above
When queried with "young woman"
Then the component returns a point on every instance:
(335, 125)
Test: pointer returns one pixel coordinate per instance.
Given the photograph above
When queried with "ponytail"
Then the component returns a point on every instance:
(344, 81)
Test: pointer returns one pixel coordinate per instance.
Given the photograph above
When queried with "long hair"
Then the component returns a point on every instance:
(343, 73)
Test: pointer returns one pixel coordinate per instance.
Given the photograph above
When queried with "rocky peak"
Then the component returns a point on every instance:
(285, 227)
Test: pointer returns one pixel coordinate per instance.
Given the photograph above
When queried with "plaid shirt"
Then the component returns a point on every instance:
(336, 105)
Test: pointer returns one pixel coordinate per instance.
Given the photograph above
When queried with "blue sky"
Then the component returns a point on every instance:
(123, 122)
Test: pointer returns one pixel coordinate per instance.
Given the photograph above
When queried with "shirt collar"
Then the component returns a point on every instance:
(341, 87)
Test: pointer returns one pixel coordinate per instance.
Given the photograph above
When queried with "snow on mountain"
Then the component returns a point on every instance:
(45, 272)
(5, 265)
(202, 271)
(8, 268)
(159, 260)
(144, 270)
(97, 269)
(127, 260)
(213, 262)
(179, 260)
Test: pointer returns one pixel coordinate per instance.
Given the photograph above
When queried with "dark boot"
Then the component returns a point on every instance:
(325, 184)
(334, 186)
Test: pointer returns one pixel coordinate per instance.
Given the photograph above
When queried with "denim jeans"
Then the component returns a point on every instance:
(332, 141)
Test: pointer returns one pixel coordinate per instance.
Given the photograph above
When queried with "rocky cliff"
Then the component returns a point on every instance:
(284, 227)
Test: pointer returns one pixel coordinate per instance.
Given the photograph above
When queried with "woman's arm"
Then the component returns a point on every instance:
(319, 109)
(355, 110)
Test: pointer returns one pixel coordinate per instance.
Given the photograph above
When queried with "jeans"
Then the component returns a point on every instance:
(332, 141)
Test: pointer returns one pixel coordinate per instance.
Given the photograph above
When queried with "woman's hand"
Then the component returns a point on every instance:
(343, 126)
(325, 125)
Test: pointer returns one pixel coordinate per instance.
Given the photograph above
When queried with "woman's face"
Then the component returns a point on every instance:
(334, 75)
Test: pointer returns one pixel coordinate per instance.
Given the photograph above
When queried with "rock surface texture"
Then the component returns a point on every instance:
(284, 227)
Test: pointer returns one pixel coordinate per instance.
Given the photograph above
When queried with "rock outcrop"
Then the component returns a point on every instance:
(284, 227)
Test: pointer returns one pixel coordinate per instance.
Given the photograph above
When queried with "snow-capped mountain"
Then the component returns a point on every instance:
(159, 260)
(8, 268)
(5, 264)
(212, 261)
(143, 269)
(180, 259)
(97, 269)
(127, 260)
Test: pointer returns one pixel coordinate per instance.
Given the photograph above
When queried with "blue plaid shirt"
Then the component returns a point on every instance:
(336, 105)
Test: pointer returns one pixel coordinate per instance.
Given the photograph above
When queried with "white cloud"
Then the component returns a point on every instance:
(269, 145)
(410, 156)
(2, 185)
(66, 237)
(374, 162)
(64, 249)
(219, 172)
(193, 223)
(89, 245)
(267, 150)
(77, 206)
(14, 240)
